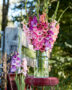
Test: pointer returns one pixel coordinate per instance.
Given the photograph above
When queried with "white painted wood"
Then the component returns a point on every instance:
(1, 48)
(20, 41)
(13, 40)
(1, 32)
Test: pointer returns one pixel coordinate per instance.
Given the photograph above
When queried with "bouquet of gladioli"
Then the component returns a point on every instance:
(24, 66)
(42, 34)
(18, 65)
(20, 80)
(42, 31)
(15, 63)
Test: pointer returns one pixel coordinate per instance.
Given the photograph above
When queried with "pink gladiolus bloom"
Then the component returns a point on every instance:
(37, 47)
(42, 49)
(54, 37)
(24, 66)
(39, 26)
(57, 26)
(38, 32)
(42, 17)
(40, 39)
(53, 23)
(34, 35)
(42, 34)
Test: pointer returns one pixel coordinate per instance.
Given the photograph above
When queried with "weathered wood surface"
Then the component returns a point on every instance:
(3, 73)
(13, 40)
(1, 40)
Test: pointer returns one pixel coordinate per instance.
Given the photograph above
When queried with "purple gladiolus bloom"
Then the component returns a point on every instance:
(18, 58)
(31, 28)
(15, 62)
(34, 20)
(14, 56)
(18, 64)
(13, 68)
(48, 44)
(50, 32)
(17, 53)
(51, 39)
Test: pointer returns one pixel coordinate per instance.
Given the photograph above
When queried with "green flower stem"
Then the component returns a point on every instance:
(45, 8)
(40, 60)
(20, 81)
(62, 14)
(41, 69)
(38, 8)
(55, 13)
(26, 9)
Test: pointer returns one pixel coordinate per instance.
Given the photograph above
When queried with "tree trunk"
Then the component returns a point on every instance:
(5, 14)
(4, 18)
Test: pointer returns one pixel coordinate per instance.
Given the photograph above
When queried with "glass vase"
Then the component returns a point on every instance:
(41, 64)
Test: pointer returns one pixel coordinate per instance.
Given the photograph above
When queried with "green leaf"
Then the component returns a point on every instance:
(55, 13)
(62, 14)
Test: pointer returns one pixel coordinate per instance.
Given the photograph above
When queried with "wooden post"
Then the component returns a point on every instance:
(5, 70)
